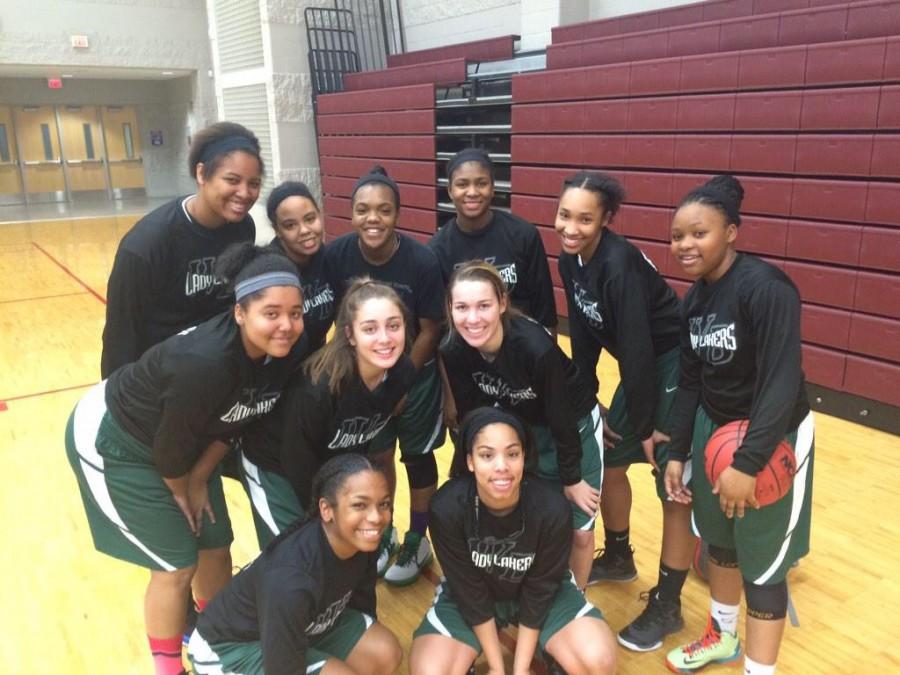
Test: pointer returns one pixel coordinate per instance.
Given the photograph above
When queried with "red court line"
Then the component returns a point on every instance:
(70, 273)
(41, 297)
(3, 402)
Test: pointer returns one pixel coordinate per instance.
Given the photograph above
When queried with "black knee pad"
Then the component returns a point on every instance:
(421, 471)
(723, 557)
(768, 603)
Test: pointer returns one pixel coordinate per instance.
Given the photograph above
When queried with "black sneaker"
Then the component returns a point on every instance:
(659, 618)
(608, 567)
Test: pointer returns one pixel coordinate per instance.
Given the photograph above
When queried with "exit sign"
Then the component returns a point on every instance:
(80, 41)
(54, 83)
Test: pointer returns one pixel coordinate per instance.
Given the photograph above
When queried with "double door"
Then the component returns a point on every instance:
(64, 153)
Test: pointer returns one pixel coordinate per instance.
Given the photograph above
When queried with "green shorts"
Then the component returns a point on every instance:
(420, 425)
(629, 450)
(245, 658)
(767, 540)
(590, 428)
(130, 510)
(444, 617)
(274, 503)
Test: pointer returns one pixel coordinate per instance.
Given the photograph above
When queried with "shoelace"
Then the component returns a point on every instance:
(407, 551)
(707, 640)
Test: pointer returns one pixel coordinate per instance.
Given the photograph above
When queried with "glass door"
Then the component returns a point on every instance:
(123, 151)
(83, 151)
(38, 141)
(10, 172)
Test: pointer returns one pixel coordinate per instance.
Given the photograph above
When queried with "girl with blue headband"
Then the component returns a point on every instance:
(145, 444)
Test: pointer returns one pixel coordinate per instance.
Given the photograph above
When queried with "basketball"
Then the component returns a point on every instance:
(776, 477)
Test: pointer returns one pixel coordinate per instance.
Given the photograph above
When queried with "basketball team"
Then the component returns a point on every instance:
(217, 362)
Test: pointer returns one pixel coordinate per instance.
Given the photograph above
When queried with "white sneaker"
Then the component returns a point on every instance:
(413, 556)
(390, 542)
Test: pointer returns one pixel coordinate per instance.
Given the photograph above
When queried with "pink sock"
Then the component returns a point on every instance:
(166, 655)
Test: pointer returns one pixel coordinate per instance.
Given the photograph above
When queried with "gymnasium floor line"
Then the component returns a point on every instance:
(21, 397)
(43, 297)
(69, 272)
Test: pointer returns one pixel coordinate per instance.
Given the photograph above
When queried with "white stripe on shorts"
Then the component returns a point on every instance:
(206, 661)
(313, 667)
(802, 450)
(597, 422)
(88, 415)
(433, 617)
(437, 426)
(258, 495)
(584, 610)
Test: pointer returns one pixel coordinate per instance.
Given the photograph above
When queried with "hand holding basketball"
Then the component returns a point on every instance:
(736, 491)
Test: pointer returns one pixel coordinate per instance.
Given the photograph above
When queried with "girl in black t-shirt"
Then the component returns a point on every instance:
(345, 396)
(307, 603)
(377, 250)
(163, 280)
(297, 222)
(503, 540)
(145, 445)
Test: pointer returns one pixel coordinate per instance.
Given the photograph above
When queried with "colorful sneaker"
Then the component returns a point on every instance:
(414, 554)
(659, 618)
(608, 567)
(713, 647)
(388, 546)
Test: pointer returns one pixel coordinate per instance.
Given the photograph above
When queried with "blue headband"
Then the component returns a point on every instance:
(228, 144)
(244, 288)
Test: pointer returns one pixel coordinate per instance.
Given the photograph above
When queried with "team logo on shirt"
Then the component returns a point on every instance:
(357, 431)
(495, 555)
(200, 277)
(587, 305)
(326, 619)
(252, 403)
(495, 387)
(318, 299)
(507, 271)
(714, 342)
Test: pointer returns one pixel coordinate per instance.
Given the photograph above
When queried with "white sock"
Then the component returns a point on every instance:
(751, 667)
(726, 616)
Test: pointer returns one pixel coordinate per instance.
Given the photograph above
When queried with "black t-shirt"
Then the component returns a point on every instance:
(162, 281)
(193, 388)
(515, 248)
(618, 301)
(522, 556)
(319, 305)
(412, 271)
(531, 377)
(310, 424)
(741, 359)
(290, 593)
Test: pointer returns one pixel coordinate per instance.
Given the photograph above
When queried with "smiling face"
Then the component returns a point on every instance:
(272, 322)
(375, 217)
(580, 220)
(471, 190)
(703, 241)
(298, 226)
(228, 195)
(477, 314)
(378, 336)
(360, 515)
(498, 461)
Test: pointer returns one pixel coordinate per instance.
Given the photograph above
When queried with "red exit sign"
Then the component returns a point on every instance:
(54, 83)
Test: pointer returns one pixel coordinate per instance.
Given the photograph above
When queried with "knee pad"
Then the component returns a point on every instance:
(768, 603)
(723, 557)
(421, 471)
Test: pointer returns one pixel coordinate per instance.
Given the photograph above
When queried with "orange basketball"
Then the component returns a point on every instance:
(776, 477)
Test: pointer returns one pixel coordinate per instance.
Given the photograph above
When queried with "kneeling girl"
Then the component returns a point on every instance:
(503, 541)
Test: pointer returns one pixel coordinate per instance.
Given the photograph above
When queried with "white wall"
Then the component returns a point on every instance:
(427, 23)
(603, 9)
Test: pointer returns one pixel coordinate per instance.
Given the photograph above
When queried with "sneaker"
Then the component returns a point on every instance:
(713, 647)
(608, 567)
(659, 618)
(388, 547)
(414, 554)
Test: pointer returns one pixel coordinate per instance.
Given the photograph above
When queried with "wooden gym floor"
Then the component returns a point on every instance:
(68, 609)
